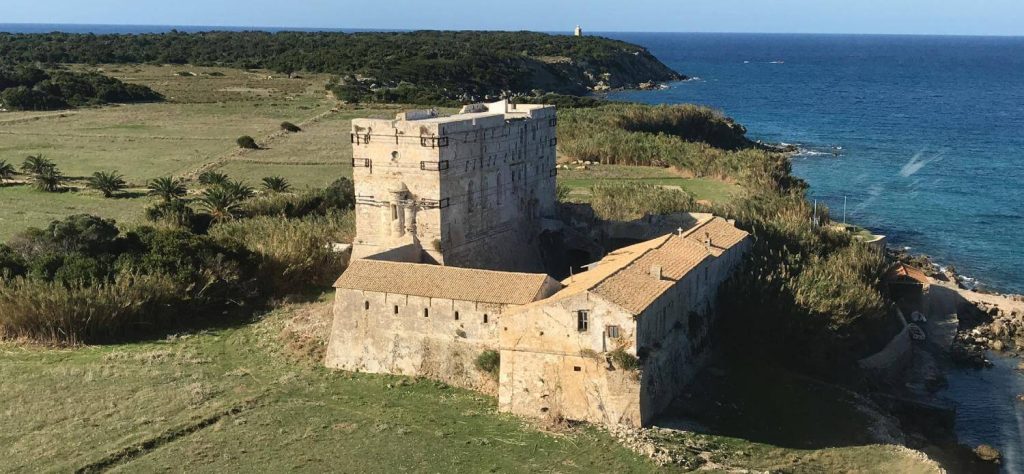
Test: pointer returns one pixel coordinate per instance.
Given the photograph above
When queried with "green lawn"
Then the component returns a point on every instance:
(23, 206)
(579, 181)
(230, 401)
(255, 398)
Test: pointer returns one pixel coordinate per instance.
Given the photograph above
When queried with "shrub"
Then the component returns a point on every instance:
(624, 360)
(107, 183)
(290, 127)
(276, 184)
(221, 203)
(341, 194)
(49, 180)
(293, 254)
(55, 312)
(176, 213)
(167, 188)
(624, 202)
(489, 362)
(210, 178)
(36, 164)
(6, 171)
(247, 142)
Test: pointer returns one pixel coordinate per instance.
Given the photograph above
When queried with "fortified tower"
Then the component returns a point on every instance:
(466, 190)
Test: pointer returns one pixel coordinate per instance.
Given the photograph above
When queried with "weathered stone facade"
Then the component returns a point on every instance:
(465, 190)
(443, 202)
(653, 301)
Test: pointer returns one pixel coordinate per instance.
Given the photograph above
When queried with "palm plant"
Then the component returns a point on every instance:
(6, 171)
(107, 183)
(221, 203)
(167, 188)
(276, 184)
(35, 165)
(238, 189)
(212, 178)
(49, 180)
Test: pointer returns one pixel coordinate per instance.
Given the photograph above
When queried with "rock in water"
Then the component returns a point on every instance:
(987, 453)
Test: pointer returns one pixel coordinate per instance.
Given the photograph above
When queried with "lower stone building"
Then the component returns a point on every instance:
(613, 344)
(620, 341)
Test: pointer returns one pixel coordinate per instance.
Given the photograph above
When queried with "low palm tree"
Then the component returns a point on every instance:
(276, 184)
(212, 178)
(107, 183)
(49, 180)
(6, 171)
(238, 189)
(167, 188)
(35, 165)
(221, 203)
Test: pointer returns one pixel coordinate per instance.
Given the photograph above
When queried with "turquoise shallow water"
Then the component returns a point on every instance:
(931, 130)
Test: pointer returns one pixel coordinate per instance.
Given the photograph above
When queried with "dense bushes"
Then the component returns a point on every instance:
(294, 254)
(247, 142)
(807, 291)
(82, 280)
(29, 88)
(626, 202)
(689, 137)
(427, 67)
(489, 362)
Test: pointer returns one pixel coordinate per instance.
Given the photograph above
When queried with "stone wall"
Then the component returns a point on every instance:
(551, 368)
(429, 337)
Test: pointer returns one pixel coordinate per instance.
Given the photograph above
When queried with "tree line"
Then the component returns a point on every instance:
(415, 66)
(25, 87)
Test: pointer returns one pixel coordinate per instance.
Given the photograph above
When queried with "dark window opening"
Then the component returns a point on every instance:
(396, 309)
(577, 368)
(485, 319)
(426, 312)
(582, 320)
(366, 305)
(456, 315)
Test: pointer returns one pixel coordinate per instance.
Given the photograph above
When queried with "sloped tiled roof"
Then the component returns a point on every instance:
(723, 235)
(624, 277)
(436, 281)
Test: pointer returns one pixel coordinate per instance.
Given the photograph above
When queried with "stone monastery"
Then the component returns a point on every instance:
(446, 265)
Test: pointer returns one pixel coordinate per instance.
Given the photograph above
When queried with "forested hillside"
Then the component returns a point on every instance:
(420, 67)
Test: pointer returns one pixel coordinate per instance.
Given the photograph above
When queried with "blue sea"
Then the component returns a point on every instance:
(929, 130)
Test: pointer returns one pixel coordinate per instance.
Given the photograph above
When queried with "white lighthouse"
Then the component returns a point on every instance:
(579, 31)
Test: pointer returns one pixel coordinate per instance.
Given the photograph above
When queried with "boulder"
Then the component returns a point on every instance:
(987, 453)
(997, 345)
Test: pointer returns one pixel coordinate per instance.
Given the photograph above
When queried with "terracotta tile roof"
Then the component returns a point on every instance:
(632, 286)
(723, 235)
(436, 281)
(902, 271)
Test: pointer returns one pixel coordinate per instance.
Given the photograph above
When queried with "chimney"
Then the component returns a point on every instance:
(656, 272)
(707, 240)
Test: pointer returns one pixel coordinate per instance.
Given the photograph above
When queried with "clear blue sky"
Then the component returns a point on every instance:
(966, 17)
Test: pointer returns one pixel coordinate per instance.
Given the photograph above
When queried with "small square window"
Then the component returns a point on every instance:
(582, 320)
(612, 331)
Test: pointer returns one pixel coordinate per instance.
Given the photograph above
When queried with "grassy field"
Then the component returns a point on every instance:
(194, 131)
(253, 398)
(579, 181)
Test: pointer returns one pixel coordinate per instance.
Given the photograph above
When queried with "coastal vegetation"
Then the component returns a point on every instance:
(28, 88)
(422, 67)
(808, 289)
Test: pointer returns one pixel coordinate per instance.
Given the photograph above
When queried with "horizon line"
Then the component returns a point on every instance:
(567, 32)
